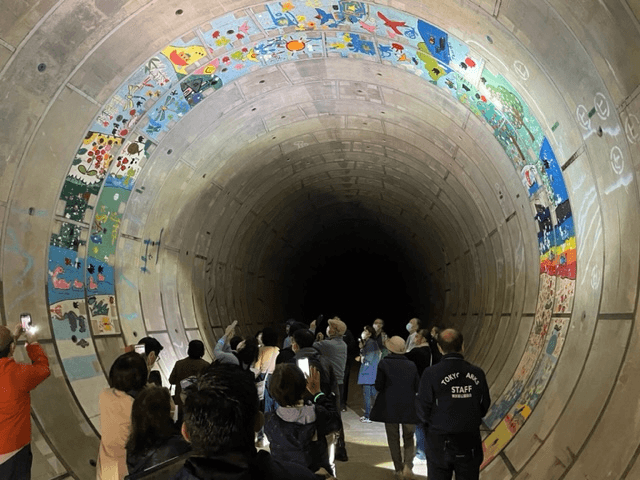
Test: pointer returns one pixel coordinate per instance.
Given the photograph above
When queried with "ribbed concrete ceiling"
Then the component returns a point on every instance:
(470, 163)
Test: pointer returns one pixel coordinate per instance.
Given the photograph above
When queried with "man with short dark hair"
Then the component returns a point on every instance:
(452, 399)
(220, 420)
(152, 349)
(302, 345)
(16, 382)
(287, 353)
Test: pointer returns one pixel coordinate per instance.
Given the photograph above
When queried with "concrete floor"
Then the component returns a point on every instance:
(369, 457)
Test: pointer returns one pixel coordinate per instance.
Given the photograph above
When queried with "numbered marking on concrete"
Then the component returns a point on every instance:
(521, 69)
(602, 106)
(617, 160)
(632, 128)
(583, 117)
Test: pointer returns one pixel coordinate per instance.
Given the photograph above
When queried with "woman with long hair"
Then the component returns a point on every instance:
(154, 438)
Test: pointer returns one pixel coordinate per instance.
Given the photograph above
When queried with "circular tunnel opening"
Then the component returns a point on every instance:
(358, 270)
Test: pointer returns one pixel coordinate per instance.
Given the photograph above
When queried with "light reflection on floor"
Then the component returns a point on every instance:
(369, 456)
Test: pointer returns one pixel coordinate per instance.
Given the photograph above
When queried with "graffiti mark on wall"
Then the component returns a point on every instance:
(151, 252)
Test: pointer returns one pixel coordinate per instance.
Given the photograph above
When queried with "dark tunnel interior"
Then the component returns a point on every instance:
(359, 271)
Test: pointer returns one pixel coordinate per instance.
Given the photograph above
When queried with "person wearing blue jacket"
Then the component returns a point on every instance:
(369, 357)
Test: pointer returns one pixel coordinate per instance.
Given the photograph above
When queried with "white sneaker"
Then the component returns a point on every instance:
(364, 419)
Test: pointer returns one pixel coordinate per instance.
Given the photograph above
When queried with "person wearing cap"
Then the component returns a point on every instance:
(397, 384)
(16, 382)
(334, 348)
(452, 400)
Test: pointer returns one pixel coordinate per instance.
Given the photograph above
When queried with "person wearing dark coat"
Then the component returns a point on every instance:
(286, 354)
(187, 367)
(452, 400)
(297, 430)
(302, 344)
(221, 416)
(352, 353)
(397, 384)
(421, 356)
(154, 438)
(433, 345)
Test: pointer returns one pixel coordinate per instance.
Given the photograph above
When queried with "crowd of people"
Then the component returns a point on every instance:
(257, 394)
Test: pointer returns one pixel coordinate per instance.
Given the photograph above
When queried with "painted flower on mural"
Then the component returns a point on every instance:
(94, 160)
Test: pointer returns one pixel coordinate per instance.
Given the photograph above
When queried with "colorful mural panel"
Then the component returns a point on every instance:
(134, 98)
(76, 196)
(166, 113)
(73, 340)
(70, 323)
(103, 313)
(100, 277)
(68, 236)
(531, 392)
(106, 223)
(66, 275)
(230, 32)
(127, 166)
(183, 54)
(201, 84)
(91, 164)
(352, 45)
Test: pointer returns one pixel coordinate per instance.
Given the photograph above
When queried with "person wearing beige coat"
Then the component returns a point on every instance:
(128, 375)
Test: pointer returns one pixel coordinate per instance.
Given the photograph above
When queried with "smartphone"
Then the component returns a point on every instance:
(25, 320)
(140, 349)
(303, 364)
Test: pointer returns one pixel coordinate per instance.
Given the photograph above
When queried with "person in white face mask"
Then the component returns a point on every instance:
(381, 336)
(413, 326)
(369, 358)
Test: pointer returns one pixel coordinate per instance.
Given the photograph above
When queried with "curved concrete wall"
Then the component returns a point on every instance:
(167, 167)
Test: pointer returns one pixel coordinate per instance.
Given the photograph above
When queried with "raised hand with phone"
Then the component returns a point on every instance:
(16, 382)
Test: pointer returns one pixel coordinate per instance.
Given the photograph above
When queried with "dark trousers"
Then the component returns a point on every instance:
(347, 375)
(341, 447)
(459, 453)
(18, 467)
(393, 439)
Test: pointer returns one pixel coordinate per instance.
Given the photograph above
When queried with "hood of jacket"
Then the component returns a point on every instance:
(303, 415)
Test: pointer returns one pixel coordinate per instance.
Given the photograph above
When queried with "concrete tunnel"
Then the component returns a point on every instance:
(170, 166)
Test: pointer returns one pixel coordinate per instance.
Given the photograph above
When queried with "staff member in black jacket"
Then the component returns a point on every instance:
(452, 399)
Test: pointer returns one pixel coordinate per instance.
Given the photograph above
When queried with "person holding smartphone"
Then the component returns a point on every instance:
(16, 382)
